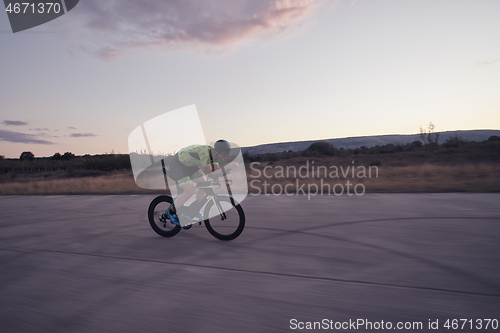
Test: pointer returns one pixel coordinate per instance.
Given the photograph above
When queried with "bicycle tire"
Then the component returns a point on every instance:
(163, 227)
(232, 226)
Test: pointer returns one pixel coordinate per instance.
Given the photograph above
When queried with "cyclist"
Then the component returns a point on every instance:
(190, 166)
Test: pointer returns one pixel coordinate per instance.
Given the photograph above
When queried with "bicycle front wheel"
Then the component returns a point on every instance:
(161, 224)
(227, 228)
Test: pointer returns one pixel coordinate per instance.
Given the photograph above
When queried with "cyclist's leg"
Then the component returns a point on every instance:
(200, 193)
(181, 211)
(187, 192)
(183, 175)
(188, 189)
(195, 207)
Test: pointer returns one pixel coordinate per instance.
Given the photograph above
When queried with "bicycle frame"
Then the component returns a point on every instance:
(207, 186)
(211, 195)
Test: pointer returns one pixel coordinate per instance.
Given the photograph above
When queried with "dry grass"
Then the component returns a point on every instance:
(415, 178)
(116, 183)
(438, 178)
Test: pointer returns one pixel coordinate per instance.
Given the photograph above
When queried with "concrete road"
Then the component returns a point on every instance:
(93, 264)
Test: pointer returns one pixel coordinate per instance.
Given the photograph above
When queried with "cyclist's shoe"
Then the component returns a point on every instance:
(172, 217)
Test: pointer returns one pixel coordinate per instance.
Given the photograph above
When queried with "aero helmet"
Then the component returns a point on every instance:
(222, 146)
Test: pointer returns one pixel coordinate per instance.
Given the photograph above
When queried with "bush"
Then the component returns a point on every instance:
(416, 145)
(454, 142)
(107, 162)
(320, 148)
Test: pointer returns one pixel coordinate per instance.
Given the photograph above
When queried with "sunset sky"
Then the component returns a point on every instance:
(257, 71)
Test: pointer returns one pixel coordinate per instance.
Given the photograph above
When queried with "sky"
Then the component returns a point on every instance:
(258, 71)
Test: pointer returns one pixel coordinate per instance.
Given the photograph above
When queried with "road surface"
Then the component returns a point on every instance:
(93, 264)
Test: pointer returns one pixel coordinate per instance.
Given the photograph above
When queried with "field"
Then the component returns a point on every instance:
(470, 177)
(454, 166)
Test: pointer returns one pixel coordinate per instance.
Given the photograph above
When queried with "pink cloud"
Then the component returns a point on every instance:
(110, 29)
(71, 127)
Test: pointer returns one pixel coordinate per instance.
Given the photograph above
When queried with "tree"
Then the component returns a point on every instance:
(430, 137)
(56, 156)
(67, 156)
(27, 155)
(246, 156)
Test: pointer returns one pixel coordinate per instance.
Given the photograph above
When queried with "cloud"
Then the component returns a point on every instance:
(14, 123)
(110, 29)
(71, 127)
(17, 137)
(79, 135)
(45, 135)
(488, 63)
(38, 129)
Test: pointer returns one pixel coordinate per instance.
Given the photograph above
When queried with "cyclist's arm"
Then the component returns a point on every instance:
(208, 168)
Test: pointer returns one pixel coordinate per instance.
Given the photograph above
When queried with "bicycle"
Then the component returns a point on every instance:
(227, 221)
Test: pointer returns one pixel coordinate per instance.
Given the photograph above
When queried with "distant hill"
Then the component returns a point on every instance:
(369, 141)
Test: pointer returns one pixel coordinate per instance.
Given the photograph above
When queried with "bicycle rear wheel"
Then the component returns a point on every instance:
(160, 224)
(228, 228)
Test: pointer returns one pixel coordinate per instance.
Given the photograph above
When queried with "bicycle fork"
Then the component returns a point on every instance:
(222, 213)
